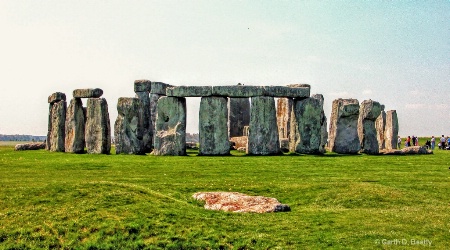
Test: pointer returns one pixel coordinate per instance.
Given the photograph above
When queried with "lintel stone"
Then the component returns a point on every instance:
(142, 85)
(292, 92)
(56, 97)
(189, 91)
(238, 91)
(159, 88)
(87, 93)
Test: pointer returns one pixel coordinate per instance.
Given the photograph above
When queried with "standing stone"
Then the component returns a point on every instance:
(75, 121)
(128, 129)
(323, 124)
(213, 129)
(238, 116)
(380, 124)
(57, 126)
(142, 90)
(368, 113)
(392, 128)
(343, 132)
(170, 133)
(284, 109)
(307, 119)
(263, 133)
(153, 113)
(97, 129)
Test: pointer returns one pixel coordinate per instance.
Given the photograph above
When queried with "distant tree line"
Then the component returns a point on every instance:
(22, 138)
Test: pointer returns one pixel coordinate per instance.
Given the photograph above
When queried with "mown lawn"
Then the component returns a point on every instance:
(57, 200)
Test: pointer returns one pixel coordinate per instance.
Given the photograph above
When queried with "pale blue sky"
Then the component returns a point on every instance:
(394, 52)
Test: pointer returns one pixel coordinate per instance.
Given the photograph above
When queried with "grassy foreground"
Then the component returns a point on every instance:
(57, 200)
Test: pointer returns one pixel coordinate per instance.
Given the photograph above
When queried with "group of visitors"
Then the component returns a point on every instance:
(411, 141)
(443, 143)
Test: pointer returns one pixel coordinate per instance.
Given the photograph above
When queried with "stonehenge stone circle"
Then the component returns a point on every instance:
(156, 118)
(142, 89)
(263, 132)
(238, 116)
(391, 130)
(56, 122)
(380, 125)
(213, 129)
(306, 134)
(97, 128)
(170, 129)
(368, 113)
(343, 132)
(128, 128)
(87, 93)
(75, 127)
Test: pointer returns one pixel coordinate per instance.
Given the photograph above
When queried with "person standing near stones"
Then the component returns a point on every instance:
(442, 142)
(408, 141)
(399, 142)
(433, 142)
(413, 140)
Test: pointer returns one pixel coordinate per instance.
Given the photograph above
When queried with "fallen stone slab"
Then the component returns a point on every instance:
(142, 85)
(238, 91)
(416, 150)
(189, 91)
(30, 146)
(56, 97)
(292, 92)
(241, 203)
(87, 93)
(391, 152)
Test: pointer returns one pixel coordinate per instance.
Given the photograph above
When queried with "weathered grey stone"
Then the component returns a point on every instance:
(153, 112)
(263, 133)
(213, 129)
(391, 129)
(284, 145)
(87, 93)
(97, 128)
(323, 124)
(75, 129)
(238, 116)
(128, 129)
(30, 146)
(368, 112)
(416, 150)
(308, 122)
(189, 91)
(238, 91)
(170, 133)
(147, 125)
(380, 124)
(159, 88)
(56, 97)
(343, 132)
(57, 121)
(142, 85)
(292, 92)
(284, 109)
(238, 202)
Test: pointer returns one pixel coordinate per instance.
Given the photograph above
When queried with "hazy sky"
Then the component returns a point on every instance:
(394, 52)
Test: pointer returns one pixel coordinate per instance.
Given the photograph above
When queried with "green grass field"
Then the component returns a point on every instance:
(57, 200)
